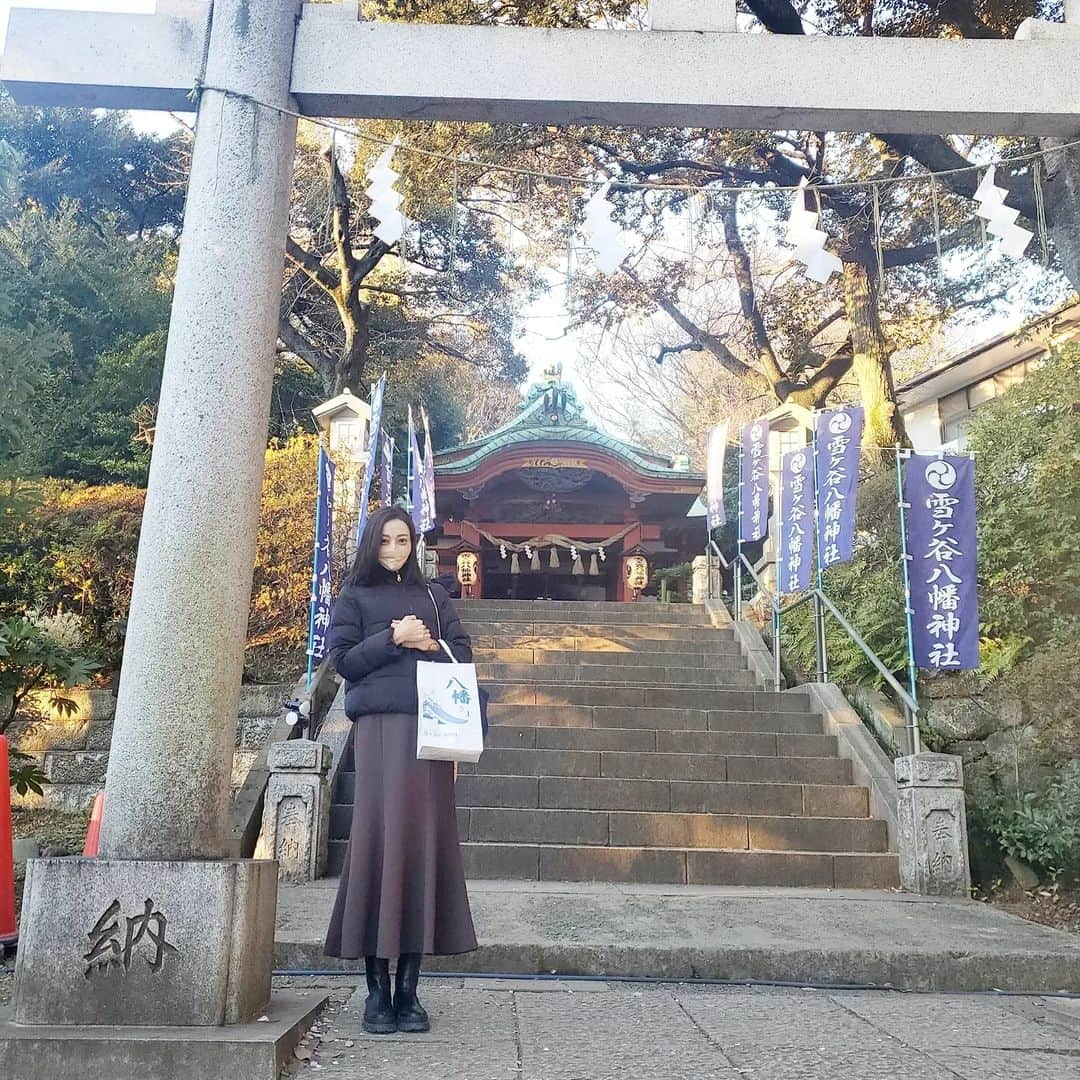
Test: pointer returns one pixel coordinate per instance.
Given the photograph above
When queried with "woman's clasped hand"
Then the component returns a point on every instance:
(411, 633)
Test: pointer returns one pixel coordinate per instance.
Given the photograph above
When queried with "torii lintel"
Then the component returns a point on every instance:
(679, 78)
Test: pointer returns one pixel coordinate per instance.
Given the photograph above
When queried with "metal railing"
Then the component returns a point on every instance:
(823, 606)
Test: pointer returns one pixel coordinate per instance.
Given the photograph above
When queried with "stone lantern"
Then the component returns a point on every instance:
(344, 424)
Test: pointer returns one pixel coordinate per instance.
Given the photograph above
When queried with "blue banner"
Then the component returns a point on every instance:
(428, 476)
(377, 393)
(321, 576)
(796, 520)
(754, 481)
(714, 476)
(837, 441)
(416, 478)
(386, 478)
(941, 547)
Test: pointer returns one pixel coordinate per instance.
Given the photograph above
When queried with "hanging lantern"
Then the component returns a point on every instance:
(468, 566)
(637, 572)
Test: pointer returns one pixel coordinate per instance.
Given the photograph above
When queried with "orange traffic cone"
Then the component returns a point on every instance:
(8, 930)
(93, 830)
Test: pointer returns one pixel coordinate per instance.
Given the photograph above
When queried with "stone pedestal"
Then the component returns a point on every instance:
(932, 825)
(145, 943)
(699, 587)
(296, 810)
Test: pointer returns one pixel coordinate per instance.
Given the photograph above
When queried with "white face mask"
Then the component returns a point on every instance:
(395, 546)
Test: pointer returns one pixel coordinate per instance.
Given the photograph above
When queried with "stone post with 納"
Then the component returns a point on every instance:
(932, 825)
(166, 928)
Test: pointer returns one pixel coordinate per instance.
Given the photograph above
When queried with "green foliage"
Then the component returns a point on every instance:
(1041, 829)
(1027, 485)
(24, 774)
(31, 659)
(869, 593)
(677, 580)
(76, 553)
(98, 161)
(1027, 446)
(278, 623)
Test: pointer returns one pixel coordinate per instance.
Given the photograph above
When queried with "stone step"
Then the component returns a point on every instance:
(583, 616)
(591, 610)
(544, 692)
(681, 866)
(660, 766)
(613, 644)
(617, 673)
(659, 829)
(625, 717)
(746, 743)
(643, 658)
(683, 796)
(626, 633)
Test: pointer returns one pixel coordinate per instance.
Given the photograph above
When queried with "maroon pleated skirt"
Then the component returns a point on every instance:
(402, 888)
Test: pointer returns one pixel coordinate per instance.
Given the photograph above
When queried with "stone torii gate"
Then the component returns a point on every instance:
(166, 928)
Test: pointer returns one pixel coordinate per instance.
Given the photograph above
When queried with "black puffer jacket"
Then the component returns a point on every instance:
(380, 676)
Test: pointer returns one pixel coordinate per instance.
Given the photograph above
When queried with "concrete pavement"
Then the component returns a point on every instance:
(486, 1029)
(860, 937)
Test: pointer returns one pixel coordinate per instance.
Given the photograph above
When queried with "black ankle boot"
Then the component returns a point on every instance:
(379, 1016)
(411, 1015)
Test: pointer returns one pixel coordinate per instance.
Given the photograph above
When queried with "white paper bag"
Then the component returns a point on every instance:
(448, 726)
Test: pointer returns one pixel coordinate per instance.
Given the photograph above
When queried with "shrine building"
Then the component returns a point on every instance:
(549, 506)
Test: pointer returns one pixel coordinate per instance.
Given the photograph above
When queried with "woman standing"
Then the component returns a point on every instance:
(402, 889)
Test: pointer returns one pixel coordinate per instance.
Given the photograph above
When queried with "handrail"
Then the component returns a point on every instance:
(720, 555)
(774, 602)
(822, 603)
(870, 655)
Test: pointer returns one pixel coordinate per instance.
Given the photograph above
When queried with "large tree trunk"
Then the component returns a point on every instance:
(884, 424)
(1062, 189)
(350, 370)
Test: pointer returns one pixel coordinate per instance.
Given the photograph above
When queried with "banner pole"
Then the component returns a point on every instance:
(819, 608)
(905, 558)
(738, 542)
(708, 557)
(409, 466)
(314, 566)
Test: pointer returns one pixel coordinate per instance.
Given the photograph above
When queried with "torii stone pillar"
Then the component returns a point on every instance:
(165, 929)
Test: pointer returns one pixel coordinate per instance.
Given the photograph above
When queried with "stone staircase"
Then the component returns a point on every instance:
(629, 744)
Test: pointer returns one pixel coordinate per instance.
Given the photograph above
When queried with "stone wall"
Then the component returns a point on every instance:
(986, 729)
(73, 750)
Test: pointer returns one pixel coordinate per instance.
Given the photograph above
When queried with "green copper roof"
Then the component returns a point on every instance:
(551, 413)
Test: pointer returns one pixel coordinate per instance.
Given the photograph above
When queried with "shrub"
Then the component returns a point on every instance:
(76, 554)
(70, 562)
(1041, 829)
(1027, 469)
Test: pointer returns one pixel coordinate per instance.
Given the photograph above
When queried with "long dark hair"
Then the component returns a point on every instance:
(366, 568)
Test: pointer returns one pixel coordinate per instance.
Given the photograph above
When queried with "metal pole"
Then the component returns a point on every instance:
(708, 557)
(776, 641)
(820, 646)
(905, 558)
(738, 544)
